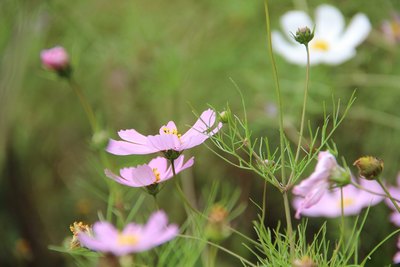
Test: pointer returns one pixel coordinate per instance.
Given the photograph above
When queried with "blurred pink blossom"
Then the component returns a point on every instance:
(156, 171)
(168, 139)
(395, 192)
(55, 58)
(391, 29)
(314, 187)
(133, 238)
(396, 258)
(354, 200)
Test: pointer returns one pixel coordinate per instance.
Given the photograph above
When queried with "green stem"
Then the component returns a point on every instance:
(342, 232)
(243, 260)
(278, 92)
(288, 222)
(281, 130)
(388, 194)
(303, 112)
(212, 255)
(180, 191)
(155, 202)
(85, 104)
(372, 192)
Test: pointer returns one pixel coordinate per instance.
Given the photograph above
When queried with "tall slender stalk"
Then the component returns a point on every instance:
(281, 131)
(388, 194)
(85, 104)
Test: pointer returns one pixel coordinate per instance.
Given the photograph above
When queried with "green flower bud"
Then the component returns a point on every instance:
(340, 176)
(216, 229)
(303, 35)
(224, 116)
(369, 167)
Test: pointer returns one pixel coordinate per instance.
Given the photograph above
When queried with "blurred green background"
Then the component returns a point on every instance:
(142, 63)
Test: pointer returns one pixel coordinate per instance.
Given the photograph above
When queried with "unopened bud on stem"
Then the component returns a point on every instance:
(303, 35)
(369, 167)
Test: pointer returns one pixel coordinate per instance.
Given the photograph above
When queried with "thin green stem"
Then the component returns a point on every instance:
(281, 130)
(155, 202)
(288, 222)
(212, 255)
(372, 192)
(303, 112)
(388, 194)
(181, 193)
(85, 104)
(343, 228)
(278, 93)
(221, 248)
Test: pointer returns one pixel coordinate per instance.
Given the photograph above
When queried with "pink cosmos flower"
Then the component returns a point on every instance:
(354, 200)
(169, 139)
(395, 192)
(314, 187)
(55, 58)
(396, 258)
(156, 171)
(134, 238)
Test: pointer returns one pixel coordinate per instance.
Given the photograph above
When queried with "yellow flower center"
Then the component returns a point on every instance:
(157, 175)
(395, 28)
(166, 130)
(346, 202)
(320, 45)
(127, 239)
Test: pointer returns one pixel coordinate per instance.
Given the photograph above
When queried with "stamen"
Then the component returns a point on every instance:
(320, 45)
(347, 201)
(157, 175)
(127, 239)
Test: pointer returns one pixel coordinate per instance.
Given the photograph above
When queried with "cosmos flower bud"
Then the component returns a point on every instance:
(304, 262)
(224, 116)
(57, 59)
(304, 35)
(216, 229)
(369, 167)
(340, 176)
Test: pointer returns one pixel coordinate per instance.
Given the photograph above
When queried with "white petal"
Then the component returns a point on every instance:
(293, 20)
(329, 22)
(294, 53)
(336, 57)
(356, 33)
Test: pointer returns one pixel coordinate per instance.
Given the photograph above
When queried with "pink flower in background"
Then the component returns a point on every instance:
(168, 139)
(156, 171)
(133, 238)
(396, 258)
(55, 58)
(391, 29)
(314, 187)
(395, 192)
(354, 201)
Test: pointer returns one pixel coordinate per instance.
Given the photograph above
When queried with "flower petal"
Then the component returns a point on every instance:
(293, 20)
(132, 136)
(294, 53)
(356, 32)
(329, 22)
(124, 148)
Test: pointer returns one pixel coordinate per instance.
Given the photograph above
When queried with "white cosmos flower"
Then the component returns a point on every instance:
(332, 43)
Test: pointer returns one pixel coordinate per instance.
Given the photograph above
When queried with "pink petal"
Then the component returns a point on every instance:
(133, 136)
(123, 148)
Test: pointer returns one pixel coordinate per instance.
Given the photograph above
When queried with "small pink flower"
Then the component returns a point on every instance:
(396, 258)
(314, 187)
(168, 139)
(156, 171)
(391, 28)
(394, 192)
(55, 58)
(134, 238)
(354, 200)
